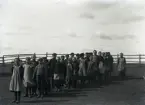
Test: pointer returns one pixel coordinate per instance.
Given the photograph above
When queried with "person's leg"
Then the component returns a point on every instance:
(29, 92)
(38, 86)
(18, 97)
(15, 97)
(26, 92)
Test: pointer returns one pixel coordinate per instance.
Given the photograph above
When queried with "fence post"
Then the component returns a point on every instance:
(139, 59)
(3, 60)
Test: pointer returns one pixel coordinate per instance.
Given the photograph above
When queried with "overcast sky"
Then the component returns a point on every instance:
(62, 26)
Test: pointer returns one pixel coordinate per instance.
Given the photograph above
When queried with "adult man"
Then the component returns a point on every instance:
(52, 64)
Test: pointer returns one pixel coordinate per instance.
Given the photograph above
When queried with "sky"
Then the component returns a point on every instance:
(64, 26)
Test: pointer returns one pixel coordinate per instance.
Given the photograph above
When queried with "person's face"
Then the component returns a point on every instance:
(99, 53)
(67, 56)
(121, 55)
(54, 56)
(27, 61)
(17, 61)
(72, 55)
(58, 59)
(91, 58)
(95, 52)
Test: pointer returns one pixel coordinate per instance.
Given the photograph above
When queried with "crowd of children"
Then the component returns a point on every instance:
(42, 76)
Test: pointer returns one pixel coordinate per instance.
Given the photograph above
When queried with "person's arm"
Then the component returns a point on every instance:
(34, 74)
(124, 61)
(117, 61)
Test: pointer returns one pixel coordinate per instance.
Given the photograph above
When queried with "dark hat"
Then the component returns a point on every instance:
(54, 54)
(72, 53)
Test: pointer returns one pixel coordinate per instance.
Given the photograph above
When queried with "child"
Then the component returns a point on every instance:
(16, 80)
(39, 73)
(28, 81)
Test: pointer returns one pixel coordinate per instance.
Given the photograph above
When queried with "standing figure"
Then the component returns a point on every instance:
(101, 68)
(16, 80)
(75, 66)
(34, 63)
(69, 74)
(106, 66)
(52, 64)
(58, 74)
(39, 73)
(110, 64)
(66, 62)
(82, 68)
(47, 82)
(95, 64)
(121, 65)
(28, 80)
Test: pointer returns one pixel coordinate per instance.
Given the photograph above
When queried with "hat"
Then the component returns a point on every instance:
(54, 54)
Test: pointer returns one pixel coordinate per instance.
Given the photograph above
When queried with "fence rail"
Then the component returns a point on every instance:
(138, 59)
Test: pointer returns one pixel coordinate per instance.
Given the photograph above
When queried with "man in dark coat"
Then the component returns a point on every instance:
(52, 64)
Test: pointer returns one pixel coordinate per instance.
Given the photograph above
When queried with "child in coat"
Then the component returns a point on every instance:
(16, 80)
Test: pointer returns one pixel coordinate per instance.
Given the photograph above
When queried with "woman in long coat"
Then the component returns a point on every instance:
(16, 80)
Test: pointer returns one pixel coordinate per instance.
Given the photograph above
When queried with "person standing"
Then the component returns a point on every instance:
(69, 74)
(16, 80)
(34, 63)
(110, 64)
(95, 64)
(28, 81)
(39, 73)
(101, 68)
(75, 66)
(52, 64)
(47, 82)
(121, 65)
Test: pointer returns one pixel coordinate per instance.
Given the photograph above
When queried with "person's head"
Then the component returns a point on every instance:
(62, 57)
(74, 59)
(58, 59)
(67, 56)
(99, 53)
(44, 60)
(82, 55)
(54, 55)
(28, 59)
(91, 58)
(94, 52)
(121, 55)
(17, 61)
(78, 55)
(40, 61)
(72, 54)
(69, 61)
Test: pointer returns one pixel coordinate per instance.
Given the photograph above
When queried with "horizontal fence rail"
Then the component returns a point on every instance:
(138, 59)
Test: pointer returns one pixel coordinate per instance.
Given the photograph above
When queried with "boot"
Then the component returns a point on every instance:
(15, 99)
(18, 97)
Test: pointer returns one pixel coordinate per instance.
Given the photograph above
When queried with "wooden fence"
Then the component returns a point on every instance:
(137, 59)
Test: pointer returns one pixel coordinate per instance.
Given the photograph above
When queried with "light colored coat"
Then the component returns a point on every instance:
(16, 82)
(28, 75)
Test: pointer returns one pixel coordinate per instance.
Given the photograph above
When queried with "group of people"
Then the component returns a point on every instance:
(40, 77)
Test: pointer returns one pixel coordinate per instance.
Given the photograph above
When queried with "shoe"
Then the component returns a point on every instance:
(25, 95)
(38, 96)
(13, 101)
(30, 96)
(42, 96)
(17, 102)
